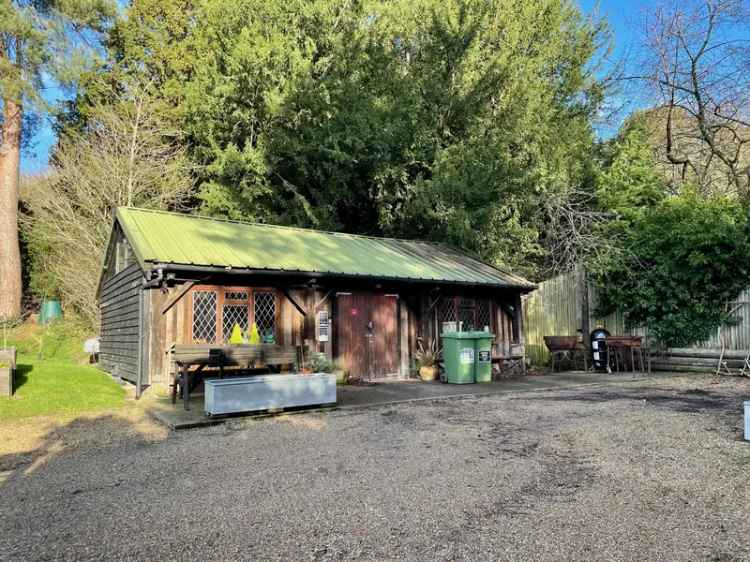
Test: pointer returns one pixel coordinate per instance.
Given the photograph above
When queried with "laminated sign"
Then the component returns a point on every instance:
(484, 356)
(467, 355)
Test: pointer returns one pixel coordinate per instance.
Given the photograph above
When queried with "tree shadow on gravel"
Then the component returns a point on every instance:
(91, 432)
(687, 401)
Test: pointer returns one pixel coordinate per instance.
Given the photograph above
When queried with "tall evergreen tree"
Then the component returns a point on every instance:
(37, 40)
(450, 120)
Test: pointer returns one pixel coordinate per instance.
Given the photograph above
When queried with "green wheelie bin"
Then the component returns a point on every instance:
(483, 356)
(458, 355)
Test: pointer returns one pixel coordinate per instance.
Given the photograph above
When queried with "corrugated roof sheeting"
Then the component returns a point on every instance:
(173, 238)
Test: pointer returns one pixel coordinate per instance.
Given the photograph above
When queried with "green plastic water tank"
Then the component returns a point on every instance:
(50, 311)
(458, 356)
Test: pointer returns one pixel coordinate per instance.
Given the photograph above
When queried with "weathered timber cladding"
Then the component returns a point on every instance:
(120, 324)
(408, 317)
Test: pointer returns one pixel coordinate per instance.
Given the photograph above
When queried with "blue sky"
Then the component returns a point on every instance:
(622, 15)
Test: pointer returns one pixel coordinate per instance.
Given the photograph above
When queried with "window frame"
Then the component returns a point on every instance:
(461, 303)
(221, 293)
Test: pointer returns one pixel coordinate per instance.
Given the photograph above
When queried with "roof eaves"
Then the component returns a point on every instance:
(246, 271)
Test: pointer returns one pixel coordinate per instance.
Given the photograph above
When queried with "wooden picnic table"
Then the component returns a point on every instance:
(243, 356)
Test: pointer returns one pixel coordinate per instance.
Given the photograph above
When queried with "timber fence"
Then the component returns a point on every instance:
(565, 305)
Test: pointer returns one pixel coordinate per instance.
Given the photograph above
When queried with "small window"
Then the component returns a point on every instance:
(236, 296)
(265, 312)
(323, 325)
(216, 311)
(471, 313)
(204, 316)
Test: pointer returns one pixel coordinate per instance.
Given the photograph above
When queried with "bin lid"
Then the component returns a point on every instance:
(467, 335)
(458, 335)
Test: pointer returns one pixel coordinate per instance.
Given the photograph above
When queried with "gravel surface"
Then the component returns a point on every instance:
(655, 470)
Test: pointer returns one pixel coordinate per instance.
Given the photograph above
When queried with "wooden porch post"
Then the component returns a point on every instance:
(585, 319)
(518, 317)
(518, 313)
(308, 327)
(404, 337)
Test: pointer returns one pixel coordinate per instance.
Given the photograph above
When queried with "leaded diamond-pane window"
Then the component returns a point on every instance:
(234, 314)
(265, 312)
(447, 311)
(204, 317)
(466, 316)
(484, 314)
(236, 296)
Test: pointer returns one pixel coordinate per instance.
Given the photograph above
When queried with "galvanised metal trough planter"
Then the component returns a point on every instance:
(268, 392)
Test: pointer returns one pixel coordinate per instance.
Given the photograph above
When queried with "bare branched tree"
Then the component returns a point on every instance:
(125, 155)
(697, 67)
(572, 235)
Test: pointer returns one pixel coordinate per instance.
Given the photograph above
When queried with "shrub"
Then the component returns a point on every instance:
(685, 258)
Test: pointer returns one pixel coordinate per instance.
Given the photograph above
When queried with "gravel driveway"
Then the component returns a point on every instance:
(637, 471)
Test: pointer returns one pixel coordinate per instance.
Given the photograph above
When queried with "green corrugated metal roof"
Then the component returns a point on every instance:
(173, 238)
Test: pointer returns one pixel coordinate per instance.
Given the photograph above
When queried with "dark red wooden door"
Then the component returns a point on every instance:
(367, 334)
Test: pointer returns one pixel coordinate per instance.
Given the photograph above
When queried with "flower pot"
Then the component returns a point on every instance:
(428, 373)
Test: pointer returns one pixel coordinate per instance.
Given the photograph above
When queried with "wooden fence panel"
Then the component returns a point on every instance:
(557, 308)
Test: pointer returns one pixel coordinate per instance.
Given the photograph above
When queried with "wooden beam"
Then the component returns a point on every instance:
(308, 333)
(323, 300)
(431, 306)
(294, 302)
(181, 293)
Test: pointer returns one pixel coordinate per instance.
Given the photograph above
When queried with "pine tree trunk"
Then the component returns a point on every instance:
(10, 254)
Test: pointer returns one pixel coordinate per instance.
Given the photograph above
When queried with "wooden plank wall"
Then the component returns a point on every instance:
(428, 327)
(413, 321)
(120, 330)
(173, 326)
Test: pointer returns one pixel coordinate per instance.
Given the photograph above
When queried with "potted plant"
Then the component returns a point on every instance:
(342, 375)
(427, 359)
(320, 364)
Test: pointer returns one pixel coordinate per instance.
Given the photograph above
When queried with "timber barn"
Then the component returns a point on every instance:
(173, 279)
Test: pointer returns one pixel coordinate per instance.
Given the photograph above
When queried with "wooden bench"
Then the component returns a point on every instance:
(242, 357)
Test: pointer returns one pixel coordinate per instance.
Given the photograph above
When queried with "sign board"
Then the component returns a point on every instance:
(467, 355)
(323, 325)
(484, 357)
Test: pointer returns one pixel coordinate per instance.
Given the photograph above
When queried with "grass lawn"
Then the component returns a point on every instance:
(52, 376)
